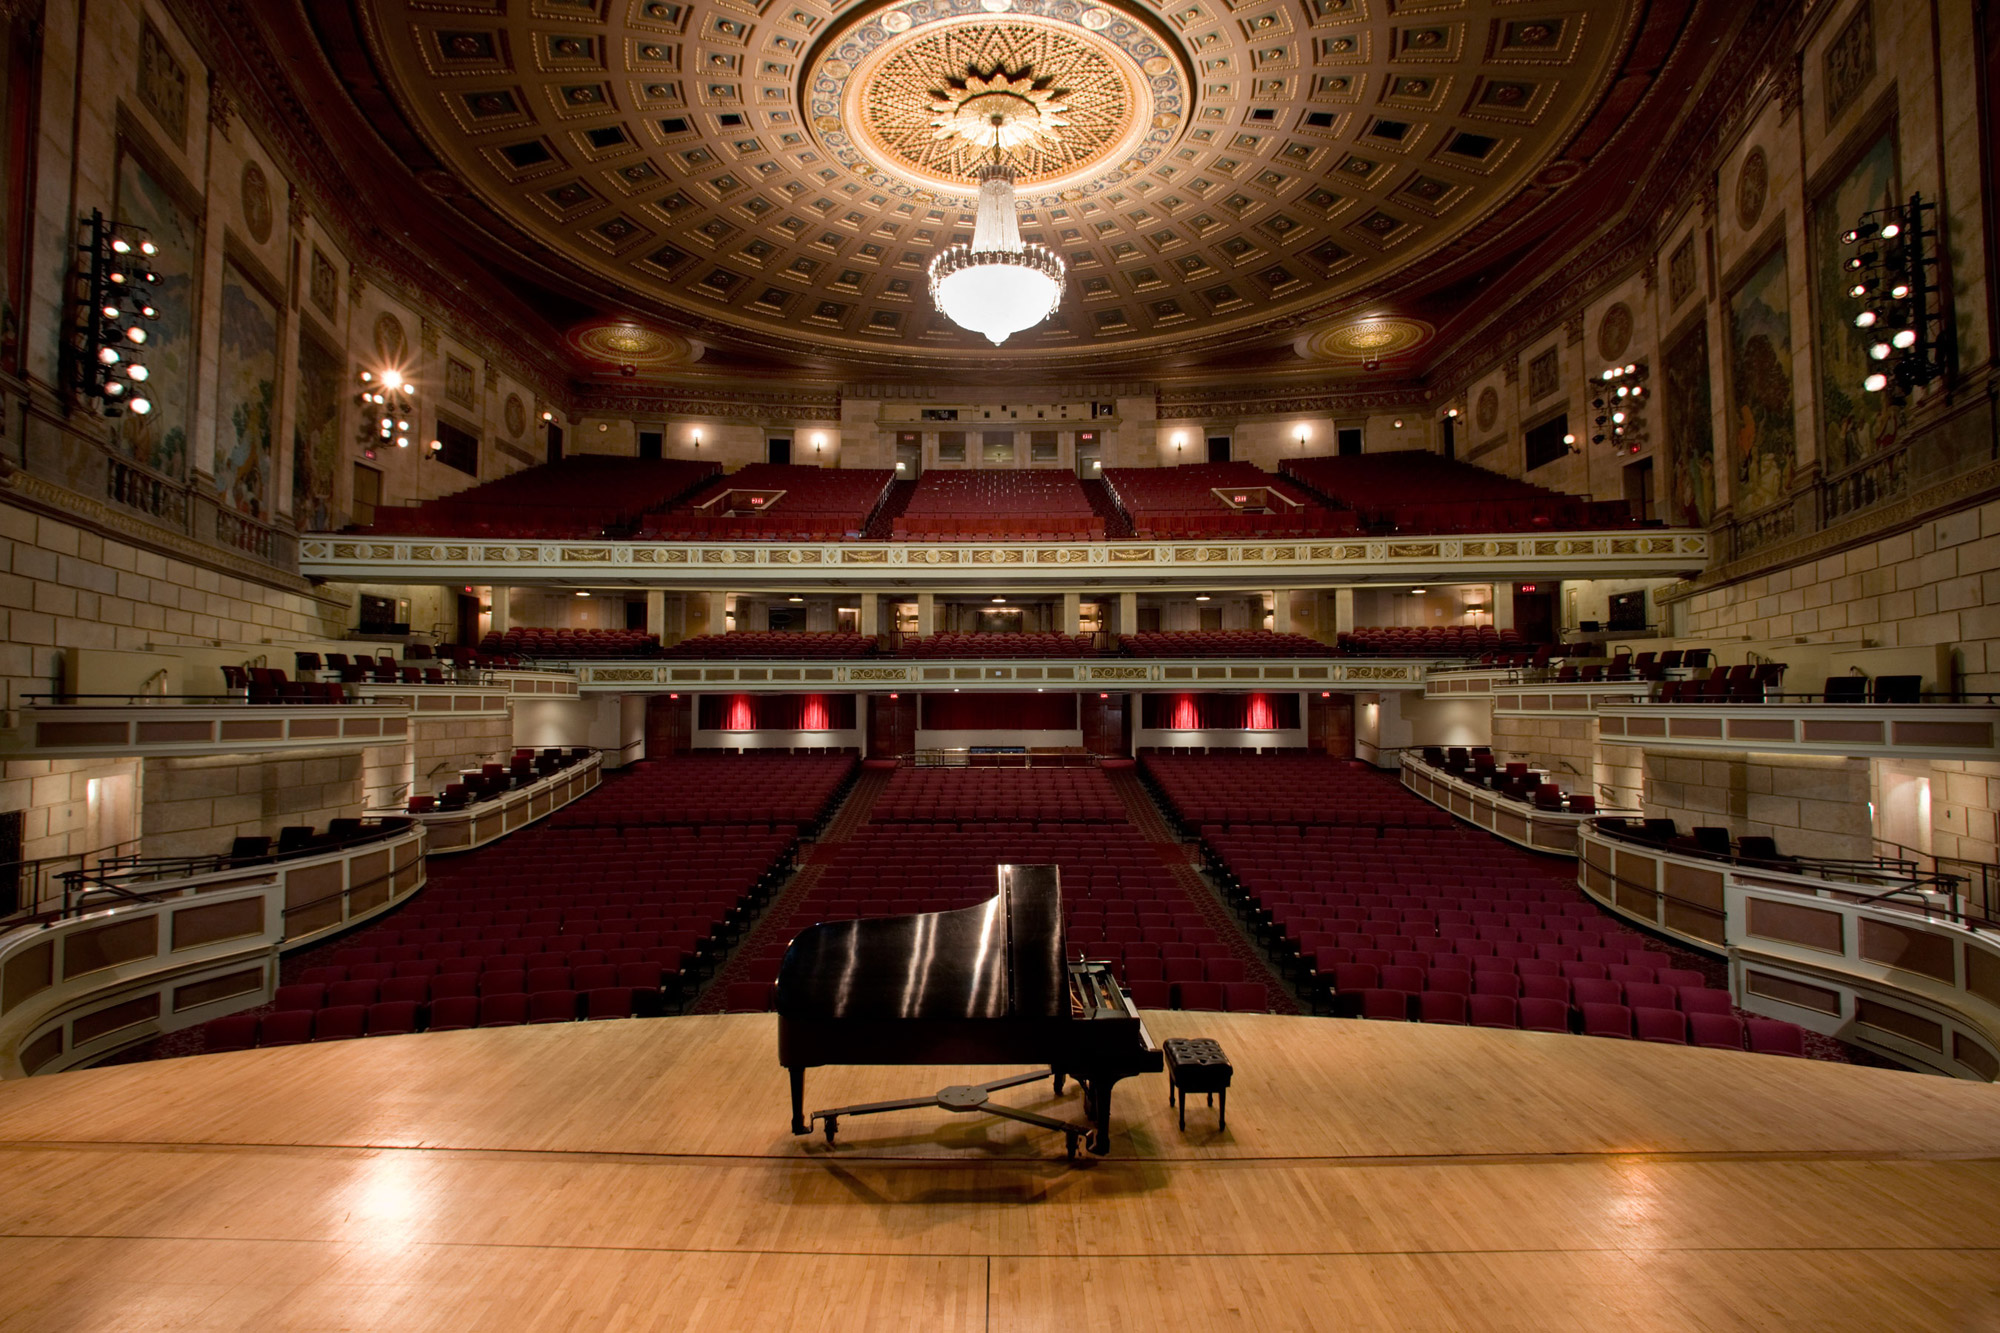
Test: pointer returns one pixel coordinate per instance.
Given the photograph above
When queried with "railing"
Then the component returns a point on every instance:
(1883, 952)
(1522, 823)
(891, 673)
(28, 887)
(168, 953)
(482, 822)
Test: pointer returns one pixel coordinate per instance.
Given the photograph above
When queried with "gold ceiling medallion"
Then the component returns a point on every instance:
(1067, 102)
(1364, 340)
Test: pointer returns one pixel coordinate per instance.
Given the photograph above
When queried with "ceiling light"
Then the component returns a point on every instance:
(795, 599)
(1418, 592)
(999, 599)
(581, 593)
(1201, 597)
(998, 285)
(392, 380)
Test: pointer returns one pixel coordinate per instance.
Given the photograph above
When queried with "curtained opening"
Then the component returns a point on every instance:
(777, 712)
(1221, 712)
(1000, 712)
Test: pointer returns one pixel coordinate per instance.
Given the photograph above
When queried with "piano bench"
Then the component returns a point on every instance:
(1197, 1064)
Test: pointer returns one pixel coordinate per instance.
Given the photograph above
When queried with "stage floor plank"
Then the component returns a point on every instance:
(638, 1175)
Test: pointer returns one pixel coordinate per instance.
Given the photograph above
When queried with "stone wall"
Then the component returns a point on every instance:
(196, 806)
(1812, 806)
(443, 749)
(64, 587)
(61, 814)
(1563, 747)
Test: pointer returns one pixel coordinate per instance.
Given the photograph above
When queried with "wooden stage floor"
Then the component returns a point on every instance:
(638, 1175)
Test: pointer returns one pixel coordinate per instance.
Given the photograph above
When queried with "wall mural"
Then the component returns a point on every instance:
(1690, 430)
(316, 437)
(247, 395)
(1763, 443)
(159, 440)
(1854, 424)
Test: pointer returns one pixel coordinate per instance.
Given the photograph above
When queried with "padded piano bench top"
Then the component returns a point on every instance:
(1197, 1064)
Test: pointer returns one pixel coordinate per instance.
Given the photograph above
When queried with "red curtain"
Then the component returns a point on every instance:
(1000, 712)
(777, 712)
(1221, 712)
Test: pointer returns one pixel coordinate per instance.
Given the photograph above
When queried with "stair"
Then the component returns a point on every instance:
(893, 506)
(1116, 526)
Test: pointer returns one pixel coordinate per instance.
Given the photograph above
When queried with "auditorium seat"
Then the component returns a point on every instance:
(390, 1018)
(236, 1032)
(1245, 997)
(454, 1013)
(1718, 1031)
(1492, 1011)
(505, 1010)
(1544, 1015)
(1385, 1004)
(1434, 1006)
(608, 1002)
(300, 995)
(340, 1022)
(1667, 1026)
(1206, 995)
(1770, 1036)
(552, 1006)
(287, 1027)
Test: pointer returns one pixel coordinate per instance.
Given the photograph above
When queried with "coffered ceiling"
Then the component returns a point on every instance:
(769, 180)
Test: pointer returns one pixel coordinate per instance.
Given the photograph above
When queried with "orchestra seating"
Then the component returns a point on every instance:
(514, 933)
(967, 796)
(1035, 504)
(997, 645)
(1294, 788)
(785, 645)
(1223, 643)
(1184, 502)
(589, 495)
(716, 789)
(785, 502)
(932, 841)
(1429, 641)
(1393, 910)
(1413, 491)
(564, 644)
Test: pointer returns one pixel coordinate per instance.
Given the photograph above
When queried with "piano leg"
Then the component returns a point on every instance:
(799, 1125)
(1059, 1077)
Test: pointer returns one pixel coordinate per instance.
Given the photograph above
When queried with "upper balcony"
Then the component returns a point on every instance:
(1000, 673)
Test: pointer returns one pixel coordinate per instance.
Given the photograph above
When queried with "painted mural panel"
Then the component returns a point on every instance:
(1690, 430)
(247, 395)
(159, 440)
(315, 437)
(1854, 423)
(1763, 443)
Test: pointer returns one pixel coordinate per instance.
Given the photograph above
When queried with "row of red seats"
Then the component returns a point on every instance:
(527, 641)
(1428, 640)
(394, 1018)
(711, 789)
(791, 501)
(997, 645)
(1291, 789)
(1223, 643)
(790, 645)
(586, 495)
(1005, 527)
(977, 794)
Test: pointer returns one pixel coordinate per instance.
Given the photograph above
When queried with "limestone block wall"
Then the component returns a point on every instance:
(64, 587)
(1621, 776)
(195, 806)
(1965, 794)
(444, 748)
(71, 806)
(1811, 805)
(1938, 582)
(1563, 747)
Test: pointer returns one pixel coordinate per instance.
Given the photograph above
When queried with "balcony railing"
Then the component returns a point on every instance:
(119, 725)
(1963, 728)
(149, 946)
(481, 822)
(1523, 823)
(892, 673)
(1899, 953)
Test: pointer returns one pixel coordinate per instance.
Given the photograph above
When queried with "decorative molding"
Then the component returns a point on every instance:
(221, 107)
(1510, 369)
(751, 404)
(1573, 328)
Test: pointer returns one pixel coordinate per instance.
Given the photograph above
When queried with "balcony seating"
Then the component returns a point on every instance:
(571, 644)
(1411, 491)
(706, 790)
(1283, 789)
(778, 645)
(1430, 641)
(958, 796)
(1035, 504)
(1182, 502)
(812, 504)
(586, 495)
(959, 646)
(1223, 643)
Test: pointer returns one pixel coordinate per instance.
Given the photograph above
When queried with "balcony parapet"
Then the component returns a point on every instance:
(865, 674)
(1522, 823)
(1890, 954)
(481, 822)
(148, 726)
(358, 557)
(1795, 726)
(145, 947)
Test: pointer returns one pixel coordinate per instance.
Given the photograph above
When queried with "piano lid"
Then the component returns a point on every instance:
(1000, 959)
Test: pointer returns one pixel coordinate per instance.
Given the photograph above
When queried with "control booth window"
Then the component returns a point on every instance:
(460, 448)
(1545, 442)
(951, 446)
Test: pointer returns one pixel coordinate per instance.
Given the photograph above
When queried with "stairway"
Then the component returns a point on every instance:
(1116, 526)
(893, 506)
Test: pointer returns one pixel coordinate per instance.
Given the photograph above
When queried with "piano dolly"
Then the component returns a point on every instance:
(968, 1097)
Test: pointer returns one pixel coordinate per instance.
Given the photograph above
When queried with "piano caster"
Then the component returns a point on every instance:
(832, 1127)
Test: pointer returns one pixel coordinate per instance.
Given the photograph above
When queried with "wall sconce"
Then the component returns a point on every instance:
(697, 441)
(819, 445)
(1180, 443)
(1303, 432)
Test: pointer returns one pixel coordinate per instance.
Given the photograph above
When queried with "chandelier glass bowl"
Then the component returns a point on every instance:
(998, 285)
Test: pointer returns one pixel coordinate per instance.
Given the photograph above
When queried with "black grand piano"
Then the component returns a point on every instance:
(990, 984)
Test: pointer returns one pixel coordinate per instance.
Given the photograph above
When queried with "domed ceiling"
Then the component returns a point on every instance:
(777, 176)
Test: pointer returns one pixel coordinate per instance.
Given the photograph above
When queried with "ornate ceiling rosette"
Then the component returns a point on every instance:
(1085, 98)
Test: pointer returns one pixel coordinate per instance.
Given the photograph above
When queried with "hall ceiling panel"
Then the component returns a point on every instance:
(778, 176)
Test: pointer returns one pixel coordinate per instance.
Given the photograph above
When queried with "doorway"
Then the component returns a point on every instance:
(555, 443)
(668, 720)
(468, 618)
(1535, 613)
(778, 451)
(909, 458)
(652, 443)
(1348, 440)
(1218, 448)
(367, 493)
(1639, 489)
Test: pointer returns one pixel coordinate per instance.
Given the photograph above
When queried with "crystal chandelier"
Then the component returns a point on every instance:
(998, 285)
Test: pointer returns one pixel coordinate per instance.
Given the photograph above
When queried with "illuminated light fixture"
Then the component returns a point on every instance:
(1569, 439)
(1452, 412)
(392, 380)
(1418, 592)
(1201, 597)
(1876, 383)
(550, 416)
(795, 599)
(1866, 319)
(1397, 423)
(1904, 339)
(999, 285)
(999, 599)
(582, 593)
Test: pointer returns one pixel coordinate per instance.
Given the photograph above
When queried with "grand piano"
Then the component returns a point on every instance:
(990, 984)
